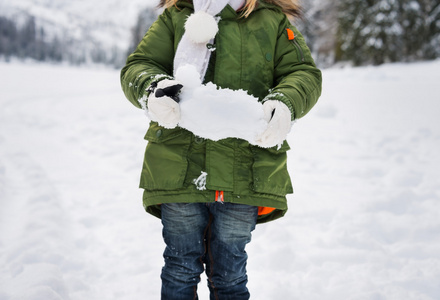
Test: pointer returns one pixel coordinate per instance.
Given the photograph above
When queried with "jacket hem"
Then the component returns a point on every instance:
(152, 202)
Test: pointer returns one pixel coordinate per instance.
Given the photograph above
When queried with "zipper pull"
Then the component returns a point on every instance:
(291, 37)
(219, 197)
(290, 34)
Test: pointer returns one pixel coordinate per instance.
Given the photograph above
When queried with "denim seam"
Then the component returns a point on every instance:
(211, 258)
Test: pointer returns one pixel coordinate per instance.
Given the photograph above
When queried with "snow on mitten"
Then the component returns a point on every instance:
(278, 116)
(163, 103)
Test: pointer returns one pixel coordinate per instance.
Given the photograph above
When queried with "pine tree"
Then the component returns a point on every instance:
(8, 37)
(431, 15)
(319, 27)
(27, 39)
(384, 41)
(416, 23)
(369, 31)
(351, 21)
(378, 31)
(145, 19)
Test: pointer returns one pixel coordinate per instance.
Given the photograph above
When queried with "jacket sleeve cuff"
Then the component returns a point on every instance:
(149, 87)
(280, 97)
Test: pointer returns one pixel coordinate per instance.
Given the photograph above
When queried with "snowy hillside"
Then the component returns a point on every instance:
(108, 21)
(363, 224)
(104, 24)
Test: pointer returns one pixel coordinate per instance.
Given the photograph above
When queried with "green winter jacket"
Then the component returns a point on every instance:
(256, 54)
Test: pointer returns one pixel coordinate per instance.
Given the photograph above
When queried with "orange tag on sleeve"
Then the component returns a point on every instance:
(290, 34)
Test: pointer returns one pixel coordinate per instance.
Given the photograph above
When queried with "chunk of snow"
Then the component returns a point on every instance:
(200, 181)
(216, 113)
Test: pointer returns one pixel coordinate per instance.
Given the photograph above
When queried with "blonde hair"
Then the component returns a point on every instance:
(289, 7)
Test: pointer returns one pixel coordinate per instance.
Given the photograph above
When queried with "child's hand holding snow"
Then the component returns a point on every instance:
(278, 116)
(163, 103)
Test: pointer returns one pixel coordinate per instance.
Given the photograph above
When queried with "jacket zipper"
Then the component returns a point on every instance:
(299, 49)
(219, 197)
(291, 36)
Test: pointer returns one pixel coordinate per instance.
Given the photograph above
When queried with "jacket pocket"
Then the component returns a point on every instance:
(220, 160)
(270, 175)
(165, 162)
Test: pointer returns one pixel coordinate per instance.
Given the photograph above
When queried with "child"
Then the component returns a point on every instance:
(211, 194)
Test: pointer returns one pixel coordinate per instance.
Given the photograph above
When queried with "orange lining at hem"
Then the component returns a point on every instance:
(265, 210)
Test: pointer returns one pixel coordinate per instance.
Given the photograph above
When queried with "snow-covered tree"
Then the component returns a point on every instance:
(378, 31)
(359, 31)
(369, 31)
(145, 19)
(8, 37)
(421, 23)
(319, 27)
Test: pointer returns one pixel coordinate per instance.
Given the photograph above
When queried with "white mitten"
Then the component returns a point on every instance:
(278, 115)
(163, 103)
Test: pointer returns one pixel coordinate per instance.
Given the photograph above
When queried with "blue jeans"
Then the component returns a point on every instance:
(212, 234)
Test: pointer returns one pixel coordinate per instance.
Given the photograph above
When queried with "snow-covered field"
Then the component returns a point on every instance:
(364, 223)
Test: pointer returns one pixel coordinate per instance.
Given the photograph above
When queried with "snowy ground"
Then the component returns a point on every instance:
(364, 222)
